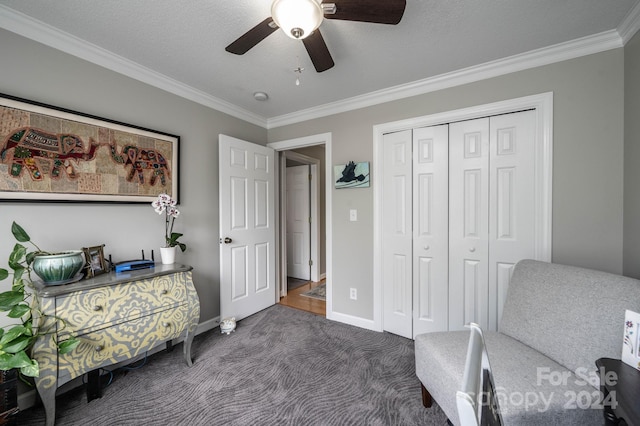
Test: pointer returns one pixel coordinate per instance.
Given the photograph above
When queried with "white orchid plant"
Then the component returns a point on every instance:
(167, 205)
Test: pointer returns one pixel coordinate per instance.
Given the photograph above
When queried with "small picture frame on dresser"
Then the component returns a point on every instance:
(96, 263)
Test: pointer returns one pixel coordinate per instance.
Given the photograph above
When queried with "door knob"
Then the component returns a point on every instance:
(472, 249)
(427, 247)
(227, 240)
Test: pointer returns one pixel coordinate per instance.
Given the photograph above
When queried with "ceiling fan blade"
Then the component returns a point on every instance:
(318, 51)
(376, 11)
(252, 37)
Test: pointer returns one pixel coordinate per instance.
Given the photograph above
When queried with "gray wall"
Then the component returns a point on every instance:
(588, 163)
(36, 72)
(632, 157)
(587, 170)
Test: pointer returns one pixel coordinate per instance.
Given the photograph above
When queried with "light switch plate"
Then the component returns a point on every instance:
(353, 215)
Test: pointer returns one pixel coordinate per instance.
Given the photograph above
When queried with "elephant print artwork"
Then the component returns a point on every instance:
(26, 150)
(49, 154)
(141, 160)
(31, 147)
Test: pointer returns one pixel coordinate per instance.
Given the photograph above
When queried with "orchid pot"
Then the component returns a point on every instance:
(168, 255)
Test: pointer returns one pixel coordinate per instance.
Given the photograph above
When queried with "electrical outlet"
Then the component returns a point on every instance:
(353, 293)
(353, 215)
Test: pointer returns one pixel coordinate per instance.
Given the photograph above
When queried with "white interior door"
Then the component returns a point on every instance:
(298, 222)
(397, 258)
(430, 229)
(468, 223)
(247, 228)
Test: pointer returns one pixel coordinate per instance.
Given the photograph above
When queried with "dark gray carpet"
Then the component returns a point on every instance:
(281, 366)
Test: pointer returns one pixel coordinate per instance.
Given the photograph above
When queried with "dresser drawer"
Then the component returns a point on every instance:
(121, 342)
(100, 307)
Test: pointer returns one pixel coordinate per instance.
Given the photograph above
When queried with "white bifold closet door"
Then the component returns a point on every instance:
(512, 203)
(430, 229)
(458, 214)
(415, 249)
(469, 226)
(397, 250)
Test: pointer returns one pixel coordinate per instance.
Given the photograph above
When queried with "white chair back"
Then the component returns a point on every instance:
(477, 401)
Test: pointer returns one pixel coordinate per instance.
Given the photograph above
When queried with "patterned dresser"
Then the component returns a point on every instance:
(116, 317)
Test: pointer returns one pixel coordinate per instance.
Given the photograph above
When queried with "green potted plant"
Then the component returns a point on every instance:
(16, 340)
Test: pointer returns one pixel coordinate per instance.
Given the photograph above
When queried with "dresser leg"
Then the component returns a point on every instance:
(192, 319)
(94, 387)
(48, 397)
(187, 344)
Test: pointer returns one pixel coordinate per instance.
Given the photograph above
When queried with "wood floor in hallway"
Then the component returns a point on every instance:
(294, 299)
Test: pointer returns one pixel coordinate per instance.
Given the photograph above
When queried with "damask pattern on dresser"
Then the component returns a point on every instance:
(114, 323)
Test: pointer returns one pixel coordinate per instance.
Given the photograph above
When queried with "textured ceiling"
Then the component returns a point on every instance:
(185, 40)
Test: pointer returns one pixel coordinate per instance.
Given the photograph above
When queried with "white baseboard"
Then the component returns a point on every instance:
(208, 325)
(351, 320)
(28, 399)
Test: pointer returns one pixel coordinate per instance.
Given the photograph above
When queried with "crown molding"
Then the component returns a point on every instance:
(41, 32)
(630, 24)
(535, 58)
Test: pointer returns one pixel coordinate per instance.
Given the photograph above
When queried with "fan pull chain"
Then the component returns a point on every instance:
(299, 70)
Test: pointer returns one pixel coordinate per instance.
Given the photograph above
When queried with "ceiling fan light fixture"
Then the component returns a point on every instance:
(297, 18)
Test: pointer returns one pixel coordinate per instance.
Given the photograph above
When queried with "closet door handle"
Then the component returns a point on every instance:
(472, 249)
(427, 247)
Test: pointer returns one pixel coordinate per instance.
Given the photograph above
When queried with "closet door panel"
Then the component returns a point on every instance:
(430, 229)
(511, 202)
(468, 223)
(397, 235)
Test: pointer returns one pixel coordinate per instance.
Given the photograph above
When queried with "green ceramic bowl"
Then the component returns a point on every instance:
(59, 268)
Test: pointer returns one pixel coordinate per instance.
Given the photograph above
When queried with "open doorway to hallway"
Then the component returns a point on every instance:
(303, 230)
(304, 297)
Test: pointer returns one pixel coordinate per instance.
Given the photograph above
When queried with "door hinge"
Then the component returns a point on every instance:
(310, 262)
(310, 176)
(309, 219)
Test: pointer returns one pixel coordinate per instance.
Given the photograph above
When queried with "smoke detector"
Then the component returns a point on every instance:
(260, 96)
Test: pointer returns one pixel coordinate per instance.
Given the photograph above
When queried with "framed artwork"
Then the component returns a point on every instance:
(53, 154)
(631, 339)
(96, 263)
(351, 175)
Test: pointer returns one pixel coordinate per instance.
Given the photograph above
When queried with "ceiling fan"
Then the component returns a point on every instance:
(300, 19)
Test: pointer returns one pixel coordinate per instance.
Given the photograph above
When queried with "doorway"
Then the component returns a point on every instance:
(313, 154)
